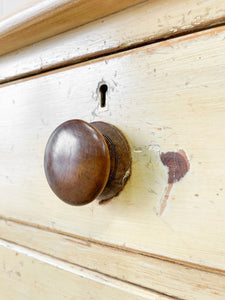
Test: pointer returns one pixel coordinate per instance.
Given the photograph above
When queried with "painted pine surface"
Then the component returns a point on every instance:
(166, 98)
(9, 6)
(26, 274)
(42, 19)
(157, 19)
(169, 278)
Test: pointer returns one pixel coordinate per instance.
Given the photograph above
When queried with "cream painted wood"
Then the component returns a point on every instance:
(157, 19)
(155, 274)
(164, 97)
(46, 18)
(9, 6)
(27, 274)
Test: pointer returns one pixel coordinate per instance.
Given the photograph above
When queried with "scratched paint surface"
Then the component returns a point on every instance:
(158, 18)
(162, 97)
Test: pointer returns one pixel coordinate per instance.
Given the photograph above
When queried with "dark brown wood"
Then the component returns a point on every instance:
(119, 152)
(84, 161)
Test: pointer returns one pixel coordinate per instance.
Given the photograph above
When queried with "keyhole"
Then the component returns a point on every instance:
(103, 89)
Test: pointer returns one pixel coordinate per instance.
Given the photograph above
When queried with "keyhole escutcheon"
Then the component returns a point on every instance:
(103, 90)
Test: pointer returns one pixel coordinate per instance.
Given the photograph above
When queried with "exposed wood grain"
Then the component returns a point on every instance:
(27, 274)
(164, 98)
(155, 274)
(50, 17)
(157, 19)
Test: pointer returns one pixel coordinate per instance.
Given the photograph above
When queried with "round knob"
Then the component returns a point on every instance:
(84, 161)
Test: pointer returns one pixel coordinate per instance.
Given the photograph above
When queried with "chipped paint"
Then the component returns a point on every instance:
(164, 199)
(178, 165)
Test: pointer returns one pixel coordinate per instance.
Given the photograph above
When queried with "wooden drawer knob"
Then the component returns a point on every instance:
(84, 161)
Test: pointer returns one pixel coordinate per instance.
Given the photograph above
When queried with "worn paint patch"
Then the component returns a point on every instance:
(178, 165)
(164, 199)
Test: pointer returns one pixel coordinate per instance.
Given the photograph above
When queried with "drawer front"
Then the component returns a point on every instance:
(168, 100)
(159, 20)
(26, 274)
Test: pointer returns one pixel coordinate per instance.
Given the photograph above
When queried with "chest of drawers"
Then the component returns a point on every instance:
(163, 236)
